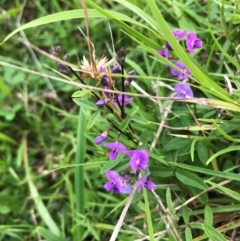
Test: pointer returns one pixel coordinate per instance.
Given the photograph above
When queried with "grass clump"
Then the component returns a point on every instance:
(151, 113)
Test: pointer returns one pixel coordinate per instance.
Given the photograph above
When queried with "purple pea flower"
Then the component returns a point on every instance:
(104, 79)
(183, 90)
(113, 182)
(126, 100)
(125, 186)
(168, 46)
(117, 183)
(104, 100)
(180, 75)
(101, 138)
(115, 68)
(62, 68)
(163, 52)
(138, 159)
(143, 182)
(193, 42)
(179, 34)
(102, 70)
(100, 103)
(115, 148)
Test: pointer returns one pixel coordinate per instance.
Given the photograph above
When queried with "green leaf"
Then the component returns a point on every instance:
(149, 215)
(67, 15)
(190, 179)
(80, 93)
(202, 151)
(112, 163)
(125, 124)
(85, 104)
(93, 119)
(185, 214)
(224, 151)
(163, 172)
(48, 235)
(212, 233)
(42, 209)
(228, 128)
(192, 149)
(203, 198)
(229, 192)
(139, 120)
(188, 234)
(208, 215)
(169, 199)
(6, 138)
(205, 171)
(176, 143)
(133, 111)
(4, 209)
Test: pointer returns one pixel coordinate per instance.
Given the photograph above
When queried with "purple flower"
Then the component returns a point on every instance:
(115, 68)
(143, 182)
(113, 183)
(138, 159)
(168, 46)
(100, 102)
(179, 34)
(183, 90)
(104, 100)
(126, 100)
(117, 183)
(193, 42)
(179, 74)
(62, 68)
(104, 81)
(101, 138)
(102, 70)
(115, 148)
(125, 186)
(163, 52)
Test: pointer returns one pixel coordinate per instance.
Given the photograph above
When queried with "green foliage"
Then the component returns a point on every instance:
(194, 161)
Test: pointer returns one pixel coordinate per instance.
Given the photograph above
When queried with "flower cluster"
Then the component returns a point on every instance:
(57, 52)
(138, 161)
(192, 42)
(108, 83)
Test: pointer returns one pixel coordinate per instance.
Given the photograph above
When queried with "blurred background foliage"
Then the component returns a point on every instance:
(39, 118)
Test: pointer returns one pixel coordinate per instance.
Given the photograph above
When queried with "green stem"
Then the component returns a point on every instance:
(79, 178)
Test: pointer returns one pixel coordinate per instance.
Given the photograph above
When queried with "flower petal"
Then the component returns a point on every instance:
(109, 186)
(112, 175)
(113, 154)
(149, 185)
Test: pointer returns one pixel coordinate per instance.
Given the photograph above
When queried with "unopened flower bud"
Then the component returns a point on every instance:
(168, 46)
(103, 101)
(121, 55)
(104, 81)
(115, 68)
(62, 69)
(101, 138)
(100, 103)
